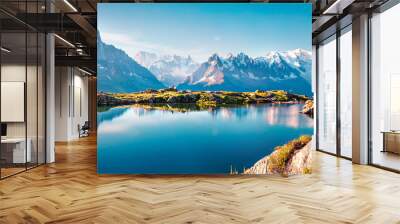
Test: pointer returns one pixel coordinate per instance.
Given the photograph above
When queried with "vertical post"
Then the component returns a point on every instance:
(360, 90)
(315, 91)
(369, 126)
(92, 101)
(338, 76)
(50, 92)
(26, 88)
(0, 94)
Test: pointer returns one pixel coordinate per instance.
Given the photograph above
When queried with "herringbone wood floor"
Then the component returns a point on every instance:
(70, 191)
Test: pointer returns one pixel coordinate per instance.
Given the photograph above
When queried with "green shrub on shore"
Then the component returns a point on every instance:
(281, 155)
(206, 100)
(226, 99)
(206, 103)
(280, 95)
(307, 170)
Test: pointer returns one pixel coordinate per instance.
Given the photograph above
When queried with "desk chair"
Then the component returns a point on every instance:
(84, 130)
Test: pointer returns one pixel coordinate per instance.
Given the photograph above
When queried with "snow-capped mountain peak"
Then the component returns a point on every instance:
(243, 58)
(301, 60)
(214, 57)
(297, 54)
(273, 57)
(145, 58)
(169, 69)
(288, 70)
(229, 56)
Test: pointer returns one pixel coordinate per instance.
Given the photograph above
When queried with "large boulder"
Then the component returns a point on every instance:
(300, 162)
(260, 167)
(308, 108)
(296, 161)
(104, 99)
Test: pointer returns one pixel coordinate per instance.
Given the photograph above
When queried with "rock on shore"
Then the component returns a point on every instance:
(291, 159)
(308, 108)
(107, 100)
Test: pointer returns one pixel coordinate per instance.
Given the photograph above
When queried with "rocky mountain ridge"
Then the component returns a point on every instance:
(117, 72)
(290, 71)
(171, 70)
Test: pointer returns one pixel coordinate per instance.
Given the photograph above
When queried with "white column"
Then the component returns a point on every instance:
(50, 98)
(360, 90)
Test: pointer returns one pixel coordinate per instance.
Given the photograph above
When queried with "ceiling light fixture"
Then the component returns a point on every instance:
(84, 71)
(70, 5)
(79, 51)
(5, 50)
(64, 40)
(337, 7)
(333, 6)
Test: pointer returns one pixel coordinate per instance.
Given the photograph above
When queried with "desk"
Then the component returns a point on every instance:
(391, 141)
(19, 155)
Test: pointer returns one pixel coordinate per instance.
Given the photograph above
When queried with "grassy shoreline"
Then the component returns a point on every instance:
(203, 99)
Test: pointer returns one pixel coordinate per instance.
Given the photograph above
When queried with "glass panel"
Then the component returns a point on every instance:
(346, 94)
(327, 96)
(385, 84)
(13, 86)
(23, 90)
(32, 89)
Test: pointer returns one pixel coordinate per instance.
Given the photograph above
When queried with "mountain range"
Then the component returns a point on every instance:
(289, 70)
(120, 73)
(169, 69)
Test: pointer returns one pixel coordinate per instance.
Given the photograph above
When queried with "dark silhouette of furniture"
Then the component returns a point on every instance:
(391, 141)
(84, 129)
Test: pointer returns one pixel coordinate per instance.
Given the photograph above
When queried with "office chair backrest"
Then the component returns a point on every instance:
(3, 129)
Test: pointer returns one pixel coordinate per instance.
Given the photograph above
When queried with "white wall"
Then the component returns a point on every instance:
(13, 100)
(10, 73)
(71, 102)
(16, 73)
(61, 103)
(33, 126)
(80, 105)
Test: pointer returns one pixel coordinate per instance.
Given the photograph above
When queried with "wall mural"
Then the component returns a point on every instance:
(210, 88)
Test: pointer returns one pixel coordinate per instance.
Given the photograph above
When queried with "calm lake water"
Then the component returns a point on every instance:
(138, 140)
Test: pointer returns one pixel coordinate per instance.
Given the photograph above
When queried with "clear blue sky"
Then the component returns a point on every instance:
(202, 29)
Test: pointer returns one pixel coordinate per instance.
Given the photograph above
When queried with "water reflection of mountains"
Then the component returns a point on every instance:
(274, 114)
